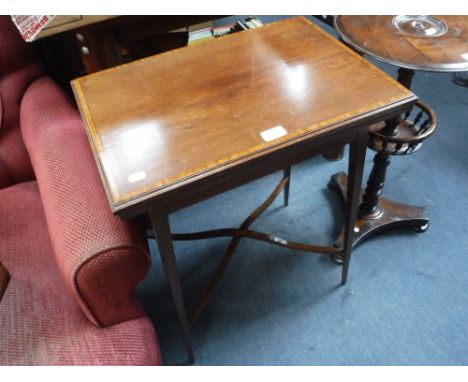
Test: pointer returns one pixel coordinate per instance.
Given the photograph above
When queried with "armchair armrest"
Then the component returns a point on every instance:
(101, 257)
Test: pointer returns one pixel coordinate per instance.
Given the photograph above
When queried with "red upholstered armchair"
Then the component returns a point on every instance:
(73, 264)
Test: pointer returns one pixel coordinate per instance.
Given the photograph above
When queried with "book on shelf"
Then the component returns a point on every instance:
(196, 37)
(205, 34)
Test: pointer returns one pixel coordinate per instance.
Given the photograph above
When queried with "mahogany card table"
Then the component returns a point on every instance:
(171, 130)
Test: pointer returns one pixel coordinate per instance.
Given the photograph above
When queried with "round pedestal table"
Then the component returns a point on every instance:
(412, 43)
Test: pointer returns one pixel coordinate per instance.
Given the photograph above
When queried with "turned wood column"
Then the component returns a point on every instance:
(369, 207)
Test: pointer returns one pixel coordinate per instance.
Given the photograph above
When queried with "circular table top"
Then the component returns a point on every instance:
(430, 43)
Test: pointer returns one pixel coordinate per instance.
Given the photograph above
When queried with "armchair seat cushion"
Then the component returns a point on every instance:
(40, 322)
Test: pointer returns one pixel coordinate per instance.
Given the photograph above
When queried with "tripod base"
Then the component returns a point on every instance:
(388, 215)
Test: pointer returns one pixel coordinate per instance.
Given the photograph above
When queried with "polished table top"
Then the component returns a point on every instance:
(170, 119)
(431, 43)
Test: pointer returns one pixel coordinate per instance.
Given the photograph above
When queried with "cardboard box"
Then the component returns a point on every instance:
(34, 27)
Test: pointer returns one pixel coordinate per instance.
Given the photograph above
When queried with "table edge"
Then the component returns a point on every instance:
(444, 68)
(85, 115)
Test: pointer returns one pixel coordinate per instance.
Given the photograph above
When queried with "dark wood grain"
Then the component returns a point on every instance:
(377, 35)
(173, 118)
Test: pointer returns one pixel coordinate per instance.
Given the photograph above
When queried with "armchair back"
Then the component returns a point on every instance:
(19, 67)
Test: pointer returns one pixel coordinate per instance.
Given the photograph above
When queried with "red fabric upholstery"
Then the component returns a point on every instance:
(40, 322)
(101, 257)
(15, 53)
(18, 68)
(65, 251)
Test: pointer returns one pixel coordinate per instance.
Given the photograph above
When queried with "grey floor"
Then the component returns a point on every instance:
(406, 301)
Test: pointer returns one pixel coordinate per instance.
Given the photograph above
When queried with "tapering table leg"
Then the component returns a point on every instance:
(357, 155)
(160, 221)
(286, 175)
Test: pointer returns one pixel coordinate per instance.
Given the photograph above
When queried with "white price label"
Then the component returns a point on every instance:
(273, 133)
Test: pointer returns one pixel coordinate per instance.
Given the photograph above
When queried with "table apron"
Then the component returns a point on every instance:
(249, 171)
